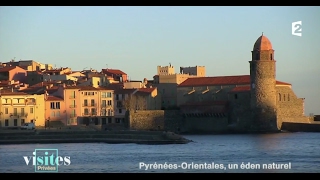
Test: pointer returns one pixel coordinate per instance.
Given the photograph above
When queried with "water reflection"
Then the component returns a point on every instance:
(301, 149)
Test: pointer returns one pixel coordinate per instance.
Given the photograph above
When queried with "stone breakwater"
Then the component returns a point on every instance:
(58, 136)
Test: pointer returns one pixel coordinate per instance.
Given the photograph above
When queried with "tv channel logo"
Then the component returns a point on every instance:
(47, 160)
(297, 28)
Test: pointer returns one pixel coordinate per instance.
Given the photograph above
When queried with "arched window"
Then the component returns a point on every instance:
(279, 97)
(271, 56)
(284, 97)
(288, 97)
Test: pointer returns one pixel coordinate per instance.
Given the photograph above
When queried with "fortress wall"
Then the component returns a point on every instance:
(172, 120)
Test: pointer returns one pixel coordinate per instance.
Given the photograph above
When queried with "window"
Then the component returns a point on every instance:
(284, 97)
(57, 105)
(6, 122)
(104, 103)
(93, 111)
(85, 102)
(279, 97)
(109, 95)
(118, 120)
(119, 104)
(235, 96)
(92, 102)
(22, 121)
(120, 110)
(22, 111)
(15, 111)
(109, 102)
(31, 110)
(270, 56)
(109, 120)
(6, 111)
(53, 114)
(117, 96)
(86, 111)
(52, 105)
(15, 122)
(288, 97)
(103, 94)
(58, 114)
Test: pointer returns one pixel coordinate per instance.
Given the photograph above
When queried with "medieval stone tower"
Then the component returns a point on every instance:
(263, 86)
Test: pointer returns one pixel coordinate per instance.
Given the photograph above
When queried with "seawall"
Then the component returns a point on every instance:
(65, 136)
(173, 120)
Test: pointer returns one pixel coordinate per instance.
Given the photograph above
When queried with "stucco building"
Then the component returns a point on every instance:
(18, 108)
(257, 101)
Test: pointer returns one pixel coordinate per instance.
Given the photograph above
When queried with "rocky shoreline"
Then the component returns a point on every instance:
(112, 137)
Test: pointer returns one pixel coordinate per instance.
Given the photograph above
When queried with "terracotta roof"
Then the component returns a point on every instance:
(52, 70)
(13, 93)
(282, 83)
(72, 87)
(124, 91)
(52, 89)
(220, 80)
(88, 88)
(217, 80)
(7, 68)
(113, 71)
(31, 89)
(41, 84)
(146, 90)
(53, 98)
(262, 43)
(240, 89)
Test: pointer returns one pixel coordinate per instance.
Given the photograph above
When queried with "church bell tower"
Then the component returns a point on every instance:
(263, 86)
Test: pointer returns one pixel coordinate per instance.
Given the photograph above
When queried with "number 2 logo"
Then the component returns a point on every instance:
(297, 28)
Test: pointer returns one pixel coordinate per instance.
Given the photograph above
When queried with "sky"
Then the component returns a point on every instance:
(137, 39)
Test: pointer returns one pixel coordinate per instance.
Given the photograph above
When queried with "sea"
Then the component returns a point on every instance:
(235, 153)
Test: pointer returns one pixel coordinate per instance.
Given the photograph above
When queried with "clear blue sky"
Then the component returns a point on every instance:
(138, 39)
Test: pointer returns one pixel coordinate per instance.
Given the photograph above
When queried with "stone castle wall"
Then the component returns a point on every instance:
(172, 120)
(290, 107)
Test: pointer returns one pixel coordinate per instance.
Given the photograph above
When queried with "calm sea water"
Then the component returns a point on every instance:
(298, 152)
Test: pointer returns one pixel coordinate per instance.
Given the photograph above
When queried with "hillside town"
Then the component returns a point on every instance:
(38, 93)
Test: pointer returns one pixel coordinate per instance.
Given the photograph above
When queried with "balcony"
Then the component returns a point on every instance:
(106, 114)
(89, 104)
(73, 106)
(19, 115)
(73, 115)
(72, 97)
(30, 103)
(89, 114)
(106, 106)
